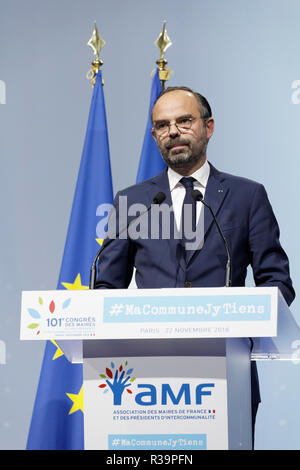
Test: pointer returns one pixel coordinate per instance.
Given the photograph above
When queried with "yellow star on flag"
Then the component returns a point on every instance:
(76, 284)
(58, 352)
(77, 400)
(100, 241)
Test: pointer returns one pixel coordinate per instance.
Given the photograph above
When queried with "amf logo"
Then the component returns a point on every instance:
(119, 379)
(187, 394)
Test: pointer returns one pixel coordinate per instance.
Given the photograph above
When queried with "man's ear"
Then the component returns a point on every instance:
(210, 126)
(153, 135)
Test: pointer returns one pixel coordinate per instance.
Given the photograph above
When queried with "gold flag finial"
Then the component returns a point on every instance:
(96, 43)
(163, 42)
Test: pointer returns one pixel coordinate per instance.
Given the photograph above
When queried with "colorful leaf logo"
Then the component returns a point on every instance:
(52, 306)
(66, 303)
(36, 315)
(32, 326)
(33, 313)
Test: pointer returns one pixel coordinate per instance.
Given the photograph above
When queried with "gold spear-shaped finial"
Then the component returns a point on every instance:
(163, 42)
(96, 43)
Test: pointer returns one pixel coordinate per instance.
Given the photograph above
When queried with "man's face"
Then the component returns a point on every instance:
(181, 148)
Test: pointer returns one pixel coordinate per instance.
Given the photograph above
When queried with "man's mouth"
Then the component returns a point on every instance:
(177, 145)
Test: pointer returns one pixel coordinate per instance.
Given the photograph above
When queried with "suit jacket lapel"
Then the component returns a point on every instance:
(161, 182)
(214, 196)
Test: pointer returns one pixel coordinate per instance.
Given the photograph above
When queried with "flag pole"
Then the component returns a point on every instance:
(163, 42)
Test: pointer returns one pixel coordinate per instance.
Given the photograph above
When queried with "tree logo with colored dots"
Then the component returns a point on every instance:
(117, 379)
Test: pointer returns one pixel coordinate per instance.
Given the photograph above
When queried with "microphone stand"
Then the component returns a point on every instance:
(198, 196)
(158, 199)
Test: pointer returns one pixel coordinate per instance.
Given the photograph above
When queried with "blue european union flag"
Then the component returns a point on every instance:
(151, 162)
(57, 419)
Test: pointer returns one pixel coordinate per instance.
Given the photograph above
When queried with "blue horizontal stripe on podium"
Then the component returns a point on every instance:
(156, 441)
(157, 309)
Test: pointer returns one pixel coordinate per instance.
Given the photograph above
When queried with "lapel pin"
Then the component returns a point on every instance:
(220, 190)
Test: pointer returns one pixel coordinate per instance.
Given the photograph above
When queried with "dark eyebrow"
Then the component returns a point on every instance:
(160, 120)
(185, 116)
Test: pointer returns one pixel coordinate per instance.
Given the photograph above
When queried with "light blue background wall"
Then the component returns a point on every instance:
(243, 55)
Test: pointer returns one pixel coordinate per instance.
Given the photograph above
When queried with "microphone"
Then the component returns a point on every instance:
(198, 196)
(158, 199)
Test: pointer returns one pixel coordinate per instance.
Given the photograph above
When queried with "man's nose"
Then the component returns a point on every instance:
(173, 130)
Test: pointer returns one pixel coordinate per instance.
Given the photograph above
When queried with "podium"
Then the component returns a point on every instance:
(165, 369)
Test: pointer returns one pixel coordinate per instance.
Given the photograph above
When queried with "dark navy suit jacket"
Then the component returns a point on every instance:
(248, 223)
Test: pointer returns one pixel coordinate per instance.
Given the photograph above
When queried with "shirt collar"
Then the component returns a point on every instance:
(201, 175)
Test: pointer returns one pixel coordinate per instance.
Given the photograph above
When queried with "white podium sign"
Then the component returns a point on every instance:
(149, 313)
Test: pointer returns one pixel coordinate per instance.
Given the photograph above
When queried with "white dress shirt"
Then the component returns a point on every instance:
(178, 190)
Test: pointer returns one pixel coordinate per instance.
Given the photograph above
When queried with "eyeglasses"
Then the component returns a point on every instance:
(183, 124)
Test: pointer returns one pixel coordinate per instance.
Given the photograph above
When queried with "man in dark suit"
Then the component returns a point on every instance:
(182, 127)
